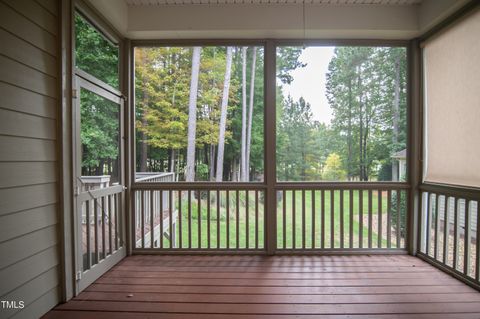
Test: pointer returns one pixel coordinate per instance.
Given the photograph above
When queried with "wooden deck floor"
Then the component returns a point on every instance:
(280, 287)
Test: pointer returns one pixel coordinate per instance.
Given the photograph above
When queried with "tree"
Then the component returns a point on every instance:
(223, 115)
(333, 168)
(287, 61)
(295, 151)
(192, 116)
(250, 112)
(163, 111)
(243, 155)
(142, 136)
(364, 90)
(162, 74)
(99, 133)
(94, 54)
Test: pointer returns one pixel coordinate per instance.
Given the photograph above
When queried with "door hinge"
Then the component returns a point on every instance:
(74, 94)
(78, 276)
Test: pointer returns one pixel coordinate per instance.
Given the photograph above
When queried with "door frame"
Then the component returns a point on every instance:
(66, 129)
(83, 279)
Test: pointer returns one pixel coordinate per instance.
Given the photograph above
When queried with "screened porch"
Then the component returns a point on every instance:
(239, 159)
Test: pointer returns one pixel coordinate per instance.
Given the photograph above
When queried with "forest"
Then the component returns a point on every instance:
(200, 113)
(366, 91)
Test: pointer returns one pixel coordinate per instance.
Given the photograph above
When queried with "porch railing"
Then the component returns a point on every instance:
(211, 218)
(308, 217)
(100, 224)
(153, 177)
(153, 216)
(449, 230)
(344, 217)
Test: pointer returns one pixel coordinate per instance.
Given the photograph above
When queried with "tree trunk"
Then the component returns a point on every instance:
(362, 177)
(396, 118)
(243, 155)
(223, 116)
(169, 160)
(192, 116)
(142, 137)
(349, 134)
(143, 145)
(212, 163)
(368, 117)
(234, 171)
(250, 112)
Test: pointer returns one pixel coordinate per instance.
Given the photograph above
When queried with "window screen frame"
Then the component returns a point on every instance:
(270, 49)
(107, 32)
(191, 43)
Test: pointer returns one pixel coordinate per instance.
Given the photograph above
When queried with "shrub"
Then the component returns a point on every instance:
(403, 211)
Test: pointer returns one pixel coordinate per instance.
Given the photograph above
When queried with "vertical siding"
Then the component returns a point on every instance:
(29, 225)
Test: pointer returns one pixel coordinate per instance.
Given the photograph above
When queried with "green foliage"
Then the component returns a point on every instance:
(361, 84)
(99, 133)
(162, 80)
(333, 168)
(396, 210)
(288, 60)
(295, 157)
(360, 90)
(99, 117)
(95, 54)
(385, 172)
(202, 172)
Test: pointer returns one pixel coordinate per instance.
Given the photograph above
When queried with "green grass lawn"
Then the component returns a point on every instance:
(230, 219)
(297, 224)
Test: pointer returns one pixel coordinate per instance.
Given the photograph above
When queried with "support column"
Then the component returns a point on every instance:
(270, 148)
(415, 145)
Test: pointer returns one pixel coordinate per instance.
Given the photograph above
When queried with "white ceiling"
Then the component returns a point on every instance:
(326, 2)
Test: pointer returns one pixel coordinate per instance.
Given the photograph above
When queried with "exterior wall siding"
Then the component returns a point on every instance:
(30, 268)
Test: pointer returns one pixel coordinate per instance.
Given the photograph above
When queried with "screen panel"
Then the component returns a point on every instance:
(94, 53)
(199, 113)
(341, 113)
(452, 105)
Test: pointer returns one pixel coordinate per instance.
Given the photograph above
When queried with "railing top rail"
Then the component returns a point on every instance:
(278, 186)
(101, 192)
(198, 186)
(342, 185)
(450, 190)
(147, 176)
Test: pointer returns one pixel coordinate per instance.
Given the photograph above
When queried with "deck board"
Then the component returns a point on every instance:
(246, 287)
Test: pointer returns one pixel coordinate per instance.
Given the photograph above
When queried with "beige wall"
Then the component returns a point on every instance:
(29, 244)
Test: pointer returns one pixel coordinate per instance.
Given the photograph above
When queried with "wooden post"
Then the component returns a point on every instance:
(270, 141)
(414, 123)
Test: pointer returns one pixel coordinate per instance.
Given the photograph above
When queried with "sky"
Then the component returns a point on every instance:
(309, 82)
